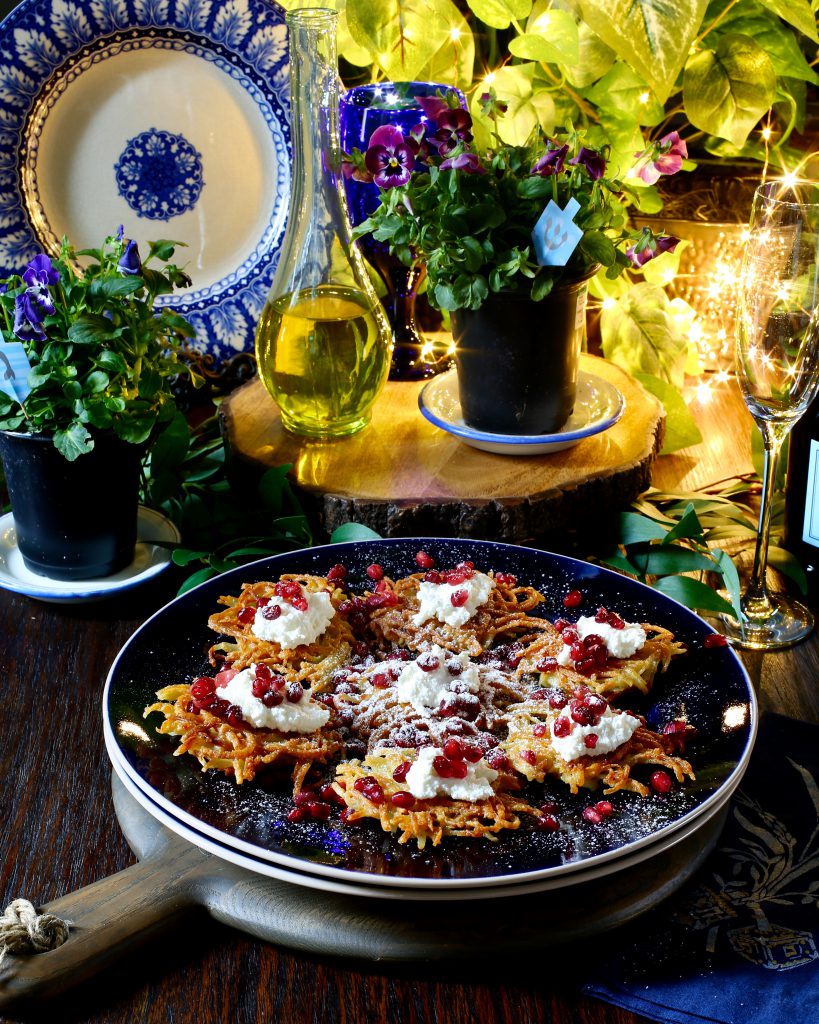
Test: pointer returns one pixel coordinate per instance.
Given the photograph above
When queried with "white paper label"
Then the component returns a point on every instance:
(810, 528)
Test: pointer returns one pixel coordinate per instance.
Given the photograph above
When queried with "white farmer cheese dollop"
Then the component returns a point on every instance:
(292, 627)
(425, 783)
(436, 600)
(304, 716)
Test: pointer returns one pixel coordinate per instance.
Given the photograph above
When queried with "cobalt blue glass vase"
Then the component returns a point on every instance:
(362, 110)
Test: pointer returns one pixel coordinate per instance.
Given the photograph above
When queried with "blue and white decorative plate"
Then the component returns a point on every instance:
(170, 117)
(598, 406)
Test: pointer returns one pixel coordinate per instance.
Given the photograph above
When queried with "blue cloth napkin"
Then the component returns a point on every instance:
(738, 944)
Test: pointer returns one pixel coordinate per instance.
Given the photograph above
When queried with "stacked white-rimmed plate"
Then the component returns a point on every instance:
(247, 825)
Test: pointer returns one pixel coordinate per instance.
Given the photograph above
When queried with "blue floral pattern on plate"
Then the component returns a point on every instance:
(45, 45)
(159, 174)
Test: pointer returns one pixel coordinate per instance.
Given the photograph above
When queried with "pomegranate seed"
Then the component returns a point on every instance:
(458, 769)
(224, 677)
(319, 811)
(454, 667)
(593, 816)
(570, 635)
(219, 707)
(360, 649)
(346, 814)
(233, 715)
(346, 607)
(715, 640)
(380, 681)
(303, 796)
(204, 686)
(381, 586)
(558, 700)
(360, 785)
(456, 576)
(585, 666)
(561, 624)
(294, 693)
(441, 765)
(472, 753)
(604, 807)
(590, 740)
(299, 603)
(329, 795)
(298, 814)
(400, 773)
(373, 792)
(383, 599)
(459, 598)
(403, 799)
(547, 822)
(246, 615)
(424, 560)
(271, 612)
(546, 665)
(496, 759)
(661, 782)
(540, 730)
(374, 571)
(453, 749)
(259, 687)
(399, 655)
(572, 599)
(529, 756)
(615, 621)
(549, 807)
(562, 726)
(338, 572)
(506, 579)
(434, 577)
(427, 662)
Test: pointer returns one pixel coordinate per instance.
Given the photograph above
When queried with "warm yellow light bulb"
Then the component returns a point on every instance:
(766, 133)
(455, 34)
(644, 97)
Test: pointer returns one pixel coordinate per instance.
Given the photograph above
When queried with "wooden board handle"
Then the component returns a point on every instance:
(108, 919)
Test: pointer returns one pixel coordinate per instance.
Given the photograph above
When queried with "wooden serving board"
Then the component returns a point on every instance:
(402, 476)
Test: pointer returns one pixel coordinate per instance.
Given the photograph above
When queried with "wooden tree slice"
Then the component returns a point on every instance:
(404, 477)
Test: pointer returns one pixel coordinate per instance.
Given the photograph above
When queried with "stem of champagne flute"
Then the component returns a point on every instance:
(756, 604)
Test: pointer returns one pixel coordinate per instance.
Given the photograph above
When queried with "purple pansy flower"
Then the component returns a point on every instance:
(467, 162)
(551, 162)
(390, 157)
(28, 323)
(650, 246)
(129, 262)
(664, 157)
(592, 161)
(432, 106)
(452, 128)
(120, 232)
(37, 277)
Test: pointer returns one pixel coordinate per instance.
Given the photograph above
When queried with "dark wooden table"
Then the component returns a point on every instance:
(59, 832)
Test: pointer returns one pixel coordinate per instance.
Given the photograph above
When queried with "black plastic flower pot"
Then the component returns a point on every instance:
(73, 520)
(517, 360)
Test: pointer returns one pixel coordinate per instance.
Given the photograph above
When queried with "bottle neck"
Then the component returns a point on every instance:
(313, 104)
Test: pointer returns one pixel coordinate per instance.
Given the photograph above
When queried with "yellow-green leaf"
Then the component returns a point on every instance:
(728, 89)
(407, 36)
(551, 36)
(593, 60)
(653, 36)
(499, 13)
(529, 103)
(797, 13)
(639, 334)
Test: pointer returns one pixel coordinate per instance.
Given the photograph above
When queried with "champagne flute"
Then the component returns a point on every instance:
(777, 354)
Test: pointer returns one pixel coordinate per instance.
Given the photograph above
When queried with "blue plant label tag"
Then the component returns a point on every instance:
(14, 370)
(556, 236)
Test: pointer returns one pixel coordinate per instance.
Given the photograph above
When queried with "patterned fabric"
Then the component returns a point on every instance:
(738, 945)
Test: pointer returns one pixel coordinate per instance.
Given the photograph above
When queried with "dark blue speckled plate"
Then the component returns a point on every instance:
(708, 686)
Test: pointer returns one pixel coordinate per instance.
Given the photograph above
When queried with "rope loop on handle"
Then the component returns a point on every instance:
(23, 930)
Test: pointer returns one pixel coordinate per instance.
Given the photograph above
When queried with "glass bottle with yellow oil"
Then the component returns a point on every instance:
(323, 341)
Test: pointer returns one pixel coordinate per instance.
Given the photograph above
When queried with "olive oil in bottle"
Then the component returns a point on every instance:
(322, 358)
